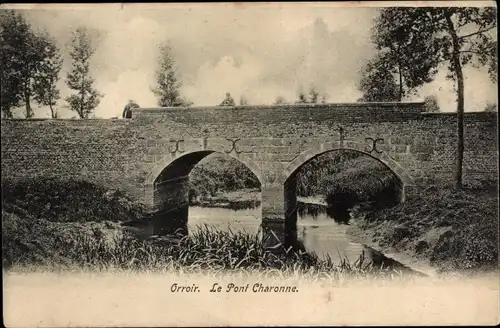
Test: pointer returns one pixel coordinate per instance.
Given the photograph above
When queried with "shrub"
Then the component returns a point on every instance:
(65, 200)
(219, 173)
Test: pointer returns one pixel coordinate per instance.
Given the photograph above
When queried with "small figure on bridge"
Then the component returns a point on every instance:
(228, 101)
(127, 111)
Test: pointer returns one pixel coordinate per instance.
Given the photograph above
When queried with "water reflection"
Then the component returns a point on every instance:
(316, 229)
(317, 211)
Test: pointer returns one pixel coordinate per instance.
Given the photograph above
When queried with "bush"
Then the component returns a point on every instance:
(67, 200)
(361, 180)
(471, 242)
(218, 173)
(313, 176)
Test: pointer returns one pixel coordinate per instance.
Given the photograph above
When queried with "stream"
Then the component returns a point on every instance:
(315, 229)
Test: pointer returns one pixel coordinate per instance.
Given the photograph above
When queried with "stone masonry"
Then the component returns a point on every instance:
(150, 155)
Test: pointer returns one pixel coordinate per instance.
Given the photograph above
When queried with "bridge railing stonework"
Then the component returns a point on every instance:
(150, 155)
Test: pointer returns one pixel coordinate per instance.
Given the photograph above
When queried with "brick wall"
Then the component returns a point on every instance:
(130, 154)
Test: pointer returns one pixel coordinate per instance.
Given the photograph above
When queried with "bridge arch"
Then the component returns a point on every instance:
(319, 149)
(168, 186)
(198, 155)
(291, 170)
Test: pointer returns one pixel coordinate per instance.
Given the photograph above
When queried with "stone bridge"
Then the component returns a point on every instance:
(151, 154)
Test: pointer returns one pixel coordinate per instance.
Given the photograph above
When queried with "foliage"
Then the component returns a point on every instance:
(220, 173)
(168, 84)
(405, 49)
(430, 36)
(431, 104)
(30, 64)
(46, 91)
(362, 180)
(66, 200)
(228, 101)
(13, 28)
(79, 79)
(243, 101)
(377, 82)
(302, 98)
(491, 108)
(28, 241)
(280, 100)
(312, 173)
(464, 224)
(313, 96)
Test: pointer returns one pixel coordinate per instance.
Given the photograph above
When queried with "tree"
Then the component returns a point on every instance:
(45, 90)
(302, 98)
(127, 111)
(377, 82)
(32, 57)
(280, 100)
(79, 79)
(22, 53)
(396, 41)
(314, 97)
(490, 107)
(243, 101)
(228, 101)
(168, 85)
(455, 37)
(13, 28)
(431, 104)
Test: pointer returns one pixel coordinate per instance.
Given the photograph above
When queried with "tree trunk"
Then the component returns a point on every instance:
(460, 100)
(400, 83)
(400, 77)
(50, 106)
(53, 113)
(29, 111)
(82, 114)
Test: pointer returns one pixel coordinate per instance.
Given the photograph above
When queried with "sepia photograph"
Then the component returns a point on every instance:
(250, 164)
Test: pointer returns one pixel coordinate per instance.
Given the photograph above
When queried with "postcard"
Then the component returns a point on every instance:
(250, 164)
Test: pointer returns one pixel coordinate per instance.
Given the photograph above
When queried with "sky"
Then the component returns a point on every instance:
(259, 52)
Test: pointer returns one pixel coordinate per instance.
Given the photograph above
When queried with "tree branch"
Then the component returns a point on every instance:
(469, 51)
(475, 33)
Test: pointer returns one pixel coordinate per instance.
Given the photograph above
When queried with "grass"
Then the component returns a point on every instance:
(207, 251)
(92, 239)
(220, 173)
(67, 200)
(48, 222)
(456, 230)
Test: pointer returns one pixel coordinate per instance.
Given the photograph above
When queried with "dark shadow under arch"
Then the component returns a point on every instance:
(171, 190)
(290, 185)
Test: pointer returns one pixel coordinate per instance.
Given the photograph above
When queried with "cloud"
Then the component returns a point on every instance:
(261, 52)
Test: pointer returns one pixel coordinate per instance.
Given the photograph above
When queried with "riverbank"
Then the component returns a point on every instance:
(238, 199)
(72, 225)
(443, 230)
(448, 232)
(409, 259)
